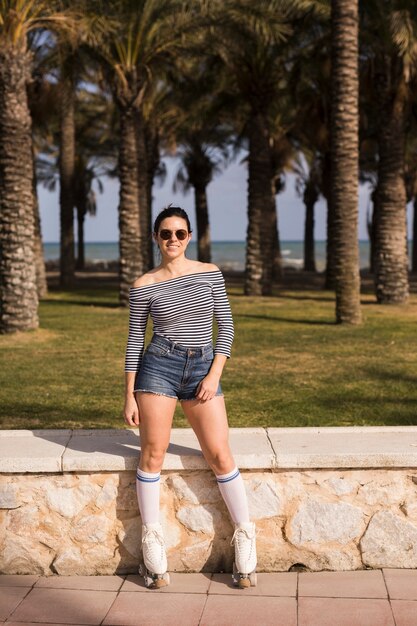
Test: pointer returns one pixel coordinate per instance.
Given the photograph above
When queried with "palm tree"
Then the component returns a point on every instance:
(201, 159)
(68, 82)
(411, 188)
(388, 45)
(202, 139)
(18, 294)
(42, 107)
(132, 53)
(307, 169)
(248, 40)
(345, 158)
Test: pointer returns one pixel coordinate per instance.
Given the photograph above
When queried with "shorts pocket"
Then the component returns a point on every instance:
(157, 350)
(208, 356)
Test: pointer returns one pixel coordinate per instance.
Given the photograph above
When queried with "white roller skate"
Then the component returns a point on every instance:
(154, 567)
(244, 540)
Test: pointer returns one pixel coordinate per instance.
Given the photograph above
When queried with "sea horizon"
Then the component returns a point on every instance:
(227, 254)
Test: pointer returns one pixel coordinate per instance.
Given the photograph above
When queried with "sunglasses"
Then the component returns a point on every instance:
(166, 234)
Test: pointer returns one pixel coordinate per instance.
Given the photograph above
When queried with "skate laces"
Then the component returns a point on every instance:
(243, 541)
(152, 535)
(154, 543)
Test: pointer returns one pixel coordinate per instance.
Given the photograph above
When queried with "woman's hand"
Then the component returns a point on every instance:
(131, 411)
(207, 388)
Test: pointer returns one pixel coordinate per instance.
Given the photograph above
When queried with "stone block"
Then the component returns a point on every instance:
(339, 485)
(390, 540)
(322, 522)
(194, 488)
(264, 497)
(107, 495)
(69, 562)
(201, 519)
(129, 536)
(91, 529)
(9, 496)
(22, 555)
(383, 489)
(68, 502)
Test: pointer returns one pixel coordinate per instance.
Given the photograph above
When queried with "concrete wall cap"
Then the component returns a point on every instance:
(65, 450)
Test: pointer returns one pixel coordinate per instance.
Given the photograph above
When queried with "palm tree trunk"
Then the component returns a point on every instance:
(345, 158)
(130, 241)
(203, 225)
(152, 162)
(330, 281)
(414, 253)
(80, 264)
(391, 261)
(261, 211)
(66, 174)
(370, 223)
(144, 209)
(277, 270)
(310, 198)
(18, 290)
(41, 282)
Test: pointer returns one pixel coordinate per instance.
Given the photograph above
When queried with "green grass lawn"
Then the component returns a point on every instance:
(290, 366)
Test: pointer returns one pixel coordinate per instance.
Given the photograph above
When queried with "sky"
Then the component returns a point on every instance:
(227, 200)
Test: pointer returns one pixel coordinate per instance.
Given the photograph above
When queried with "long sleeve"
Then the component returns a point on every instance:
(138, 318)
(223, 316)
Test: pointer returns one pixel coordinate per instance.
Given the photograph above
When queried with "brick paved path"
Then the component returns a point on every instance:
(385, 597)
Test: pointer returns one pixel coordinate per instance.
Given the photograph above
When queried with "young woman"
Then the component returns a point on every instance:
(179, 363)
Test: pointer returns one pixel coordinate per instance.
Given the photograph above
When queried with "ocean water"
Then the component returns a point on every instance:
(226, 254)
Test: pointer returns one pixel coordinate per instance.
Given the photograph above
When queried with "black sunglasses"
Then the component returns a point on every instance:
(166, 234)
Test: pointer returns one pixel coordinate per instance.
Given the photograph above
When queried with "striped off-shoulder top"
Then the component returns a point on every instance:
(182, 310)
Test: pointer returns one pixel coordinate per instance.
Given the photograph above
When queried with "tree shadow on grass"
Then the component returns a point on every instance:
(289, 320)
(391, 409)
(391, 375)
(91, 304)
(290, 296)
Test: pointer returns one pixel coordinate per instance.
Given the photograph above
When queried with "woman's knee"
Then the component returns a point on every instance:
(221, 461)
(152, 458)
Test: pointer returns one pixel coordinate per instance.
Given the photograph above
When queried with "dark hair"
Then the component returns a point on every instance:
(171, 211)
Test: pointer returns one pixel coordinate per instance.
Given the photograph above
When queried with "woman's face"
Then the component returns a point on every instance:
(173, 228)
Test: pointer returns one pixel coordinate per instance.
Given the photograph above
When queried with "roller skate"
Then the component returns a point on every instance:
(244, 540)
(154, 567)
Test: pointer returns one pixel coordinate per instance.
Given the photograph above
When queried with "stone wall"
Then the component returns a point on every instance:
(87, 522)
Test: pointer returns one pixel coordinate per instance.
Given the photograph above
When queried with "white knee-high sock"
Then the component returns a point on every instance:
(233, 491)
(147, 490)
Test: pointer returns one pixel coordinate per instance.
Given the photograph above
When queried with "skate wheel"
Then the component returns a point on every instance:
(253, 579)
(153, 581)
(244, 582)
(160, 581)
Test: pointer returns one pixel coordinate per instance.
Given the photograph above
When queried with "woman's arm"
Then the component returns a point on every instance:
(131, 409)
(138, 318)
(206, 390)
(223, 317)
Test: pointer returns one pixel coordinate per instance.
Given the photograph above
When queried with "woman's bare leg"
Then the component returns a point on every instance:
(155, 421)
(209, 422)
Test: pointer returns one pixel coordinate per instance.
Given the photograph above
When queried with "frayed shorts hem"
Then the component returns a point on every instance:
(218, 395)
(156, 393)
(160, 393)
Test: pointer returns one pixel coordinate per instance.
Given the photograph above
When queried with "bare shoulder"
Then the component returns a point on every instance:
(145, 279)
(208, 267)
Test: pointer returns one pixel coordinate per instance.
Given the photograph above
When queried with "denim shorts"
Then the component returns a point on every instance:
(170, 369)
